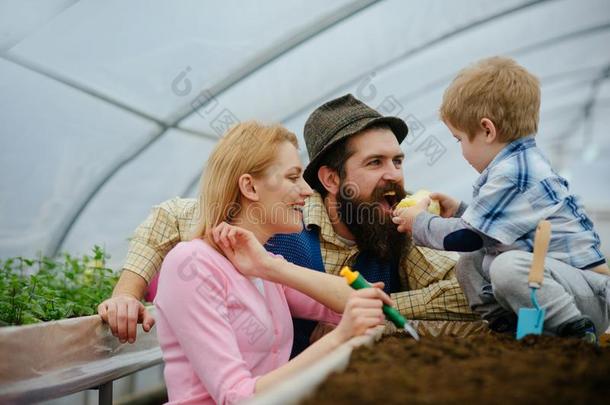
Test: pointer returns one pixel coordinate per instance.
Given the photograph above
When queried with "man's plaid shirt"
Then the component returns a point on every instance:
(427, 276)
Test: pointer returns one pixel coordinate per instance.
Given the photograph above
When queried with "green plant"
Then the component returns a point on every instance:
(44, 289)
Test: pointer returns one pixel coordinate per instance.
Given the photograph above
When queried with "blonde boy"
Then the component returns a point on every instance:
(492, 109)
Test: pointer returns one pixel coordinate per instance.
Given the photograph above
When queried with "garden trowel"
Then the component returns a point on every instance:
(531, 320)
(357, 282)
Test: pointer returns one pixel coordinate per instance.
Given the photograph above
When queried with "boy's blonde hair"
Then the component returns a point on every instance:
(496, 88)
(249, 147)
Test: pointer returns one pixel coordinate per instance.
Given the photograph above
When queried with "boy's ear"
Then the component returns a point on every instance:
(247, 188)
(329, 178)
(488, 127)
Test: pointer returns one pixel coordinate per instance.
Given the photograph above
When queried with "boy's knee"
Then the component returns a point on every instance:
(508, 272)
(462, 266)
(467, 265)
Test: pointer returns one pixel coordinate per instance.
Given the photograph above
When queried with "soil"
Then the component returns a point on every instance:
(490, 368)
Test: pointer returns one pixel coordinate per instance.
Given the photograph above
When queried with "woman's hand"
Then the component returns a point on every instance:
(449, 205)
(362, 312)
(243, 250)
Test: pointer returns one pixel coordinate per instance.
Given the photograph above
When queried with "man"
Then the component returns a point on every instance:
(356, 171)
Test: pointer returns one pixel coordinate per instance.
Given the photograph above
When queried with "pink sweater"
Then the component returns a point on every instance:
(217, 331)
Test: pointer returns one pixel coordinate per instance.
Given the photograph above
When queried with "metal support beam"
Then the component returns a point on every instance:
(105, 393)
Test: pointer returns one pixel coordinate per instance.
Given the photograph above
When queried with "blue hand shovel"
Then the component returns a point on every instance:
(531, 320)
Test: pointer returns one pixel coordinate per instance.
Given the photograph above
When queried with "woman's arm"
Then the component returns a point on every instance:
(247, 254)
(201, 325)
(362, 312)
(331, 291)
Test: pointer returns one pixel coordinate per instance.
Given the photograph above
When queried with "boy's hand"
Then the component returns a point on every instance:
(449, 205)
(404, 217)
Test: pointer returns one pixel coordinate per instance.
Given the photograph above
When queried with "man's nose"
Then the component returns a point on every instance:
(393, 173)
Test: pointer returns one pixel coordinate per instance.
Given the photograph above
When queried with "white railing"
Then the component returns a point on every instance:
(53, 359)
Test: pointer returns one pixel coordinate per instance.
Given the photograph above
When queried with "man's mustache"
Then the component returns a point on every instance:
(379, 192)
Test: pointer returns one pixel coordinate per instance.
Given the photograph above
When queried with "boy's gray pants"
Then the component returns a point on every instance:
(567, 293)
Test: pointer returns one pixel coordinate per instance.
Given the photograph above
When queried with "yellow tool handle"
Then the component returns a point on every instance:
(541, 246)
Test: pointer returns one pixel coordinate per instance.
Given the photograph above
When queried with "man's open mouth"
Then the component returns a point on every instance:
(391, 198)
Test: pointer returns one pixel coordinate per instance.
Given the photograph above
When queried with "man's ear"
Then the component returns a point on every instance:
(488, 127)
(247, 187)
(329, 178)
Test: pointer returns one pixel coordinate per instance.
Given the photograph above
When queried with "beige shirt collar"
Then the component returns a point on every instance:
(314, 213)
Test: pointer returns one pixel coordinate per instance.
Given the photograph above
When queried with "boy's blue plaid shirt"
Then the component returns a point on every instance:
(517, 190)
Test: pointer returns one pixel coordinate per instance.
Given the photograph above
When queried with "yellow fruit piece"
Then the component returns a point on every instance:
(433, 208)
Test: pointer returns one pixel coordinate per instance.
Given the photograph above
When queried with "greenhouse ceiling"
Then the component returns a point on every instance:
(110, 107)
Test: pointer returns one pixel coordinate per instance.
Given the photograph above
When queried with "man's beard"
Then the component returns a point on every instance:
(373, 229)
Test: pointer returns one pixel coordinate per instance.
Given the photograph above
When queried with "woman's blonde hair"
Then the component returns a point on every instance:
(496, 88)
(249, 147)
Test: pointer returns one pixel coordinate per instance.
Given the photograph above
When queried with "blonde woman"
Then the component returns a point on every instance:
(226, 335)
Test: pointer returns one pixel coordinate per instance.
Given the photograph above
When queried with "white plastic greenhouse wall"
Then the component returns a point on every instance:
(110, 107)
